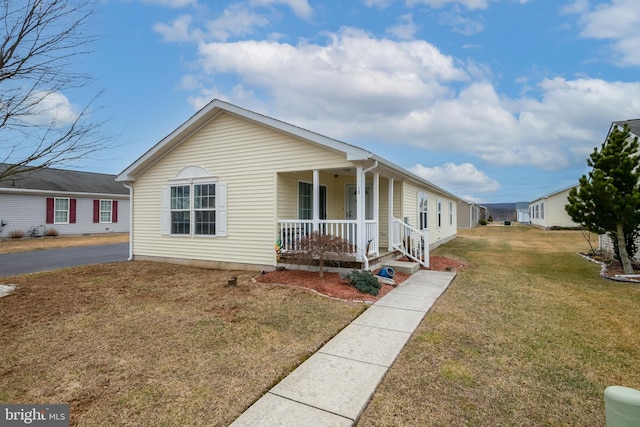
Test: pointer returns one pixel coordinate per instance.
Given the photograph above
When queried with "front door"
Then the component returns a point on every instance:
(351, 212)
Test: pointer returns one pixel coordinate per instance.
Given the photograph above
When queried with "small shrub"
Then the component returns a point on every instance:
(16, 234)
(364, 281)
(51, 232)
(483, 221)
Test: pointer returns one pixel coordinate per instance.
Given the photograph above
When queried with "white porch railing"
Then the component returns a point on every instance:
(413, 243)
(291, 231)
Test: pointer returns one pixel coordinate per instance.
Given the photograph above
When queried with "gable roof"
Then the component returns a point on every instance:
(216, 107)
(634, 125)
(546, 196)
(60, 180)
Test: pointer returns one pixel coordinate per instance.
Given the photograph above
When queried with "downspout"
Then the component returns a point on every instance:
(130, 187)
(363, 238)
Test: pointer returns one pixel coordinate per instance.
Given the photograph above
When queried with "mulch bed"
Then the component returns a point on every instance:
(333, 286)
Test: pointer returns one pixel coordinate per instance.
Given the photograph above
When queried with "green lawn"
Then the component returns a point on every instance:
(528, 334)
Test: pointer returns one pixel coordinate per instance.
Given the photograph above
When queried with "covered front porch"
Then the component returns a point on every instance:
(357, 204)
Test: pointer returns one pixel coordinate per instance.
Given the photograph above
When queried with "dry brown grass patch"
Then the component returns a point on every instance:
(155, 344)
(40, 243)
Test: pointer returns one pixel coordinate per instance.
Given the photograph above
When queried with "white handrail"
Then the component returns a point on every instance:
(411, 242)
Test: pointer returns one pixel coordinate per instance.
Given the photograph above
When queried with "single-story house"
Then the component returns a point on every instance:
(232, 188)
(470, 214)
(71, 202)
(522, 212)
(548, 211)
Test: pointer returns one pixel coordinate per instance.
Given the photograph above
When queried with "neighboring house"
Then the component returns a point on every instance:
(522, 212)
(470, 214)
(548, 211)
(70, 202)
(605, 243)
(230, 188)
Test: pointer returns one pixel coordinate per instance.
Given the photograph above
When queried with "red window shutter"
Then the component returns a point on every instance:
(114, 211)
(50, 208)
(96, 211)
(72, 211)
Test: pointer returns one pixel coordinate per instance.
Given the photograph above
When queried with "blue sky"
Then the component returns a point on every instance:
(494, 100)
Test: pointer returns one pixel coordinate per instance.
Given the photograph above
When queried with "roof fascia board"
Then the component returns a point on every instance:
(210, 112)
(31, 192)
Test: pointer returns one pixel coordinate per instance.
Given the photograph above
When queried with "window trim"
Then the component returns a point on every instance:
(322, 213)
(217, 210)
(423, 215)
(67, 211)
(100, 211)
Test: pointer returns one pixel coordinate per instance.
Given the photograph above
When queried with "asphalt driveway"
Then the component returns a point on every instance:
(32, 262)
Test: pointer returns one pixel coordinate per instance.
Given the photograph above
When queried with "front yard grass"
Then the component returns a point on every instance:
(40, 243)
(140, 343)
(527, 335)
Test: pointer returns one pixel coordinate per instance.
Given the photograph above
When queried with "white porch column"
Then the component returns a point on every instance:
(376, 206)
(316, 200)
(390, 230)
(360, 211)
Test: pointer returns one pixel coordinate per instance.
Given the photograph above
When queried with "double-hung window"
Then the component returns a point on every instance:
(105, 210)
(450, 213)
(61, 211)
(305, 201)
(423, 208)
(439, 213)
(204, 205)
(193, 209)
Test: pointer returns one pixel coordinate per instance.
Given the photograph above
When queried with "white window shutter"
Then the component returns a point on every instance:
(165, 226)
(221, 209)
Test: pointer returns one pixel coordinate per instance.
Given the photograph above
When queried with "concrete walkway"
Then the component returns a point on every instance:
(334, 386)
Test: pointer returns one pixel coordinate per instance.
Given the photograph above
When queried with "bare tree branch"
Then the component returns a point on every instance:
(39, 127)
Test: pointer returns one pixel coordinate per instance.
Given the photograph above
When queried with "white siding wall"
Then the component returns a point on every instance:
(248, 158)
(22, 212)
(554, 212)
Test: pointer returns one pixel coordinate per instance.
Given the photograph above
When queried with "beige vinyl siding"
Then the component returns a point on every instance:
(437, 235)
(554, 212)
(247, 157)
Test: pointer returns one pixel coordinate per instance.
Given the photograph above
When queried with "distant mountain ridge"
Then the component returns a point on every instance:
(501, 211)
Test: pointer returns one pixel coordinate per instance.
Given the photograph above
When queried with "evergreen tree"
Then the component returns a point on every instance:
(608, 200)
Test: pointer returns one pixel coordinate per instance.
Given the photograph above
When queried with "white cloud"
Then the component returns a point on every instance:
(617, 21)
(380, 4)
(357, 88)
(405, 29)
(171, 3)
(178, 31)
(459, 179)
(469, 4)
(236, 20)
(301, 8)
(460, 24)
(50, 108)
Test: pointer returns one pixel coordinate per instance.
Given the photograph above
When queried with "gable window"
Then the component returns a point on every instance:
(439, 213)
(195, 207)
(423, 208)
(305, 201)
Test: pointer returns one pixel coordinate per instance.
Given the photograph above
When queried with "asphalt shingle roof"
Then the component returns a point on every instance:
(65, 180)
(634, 125)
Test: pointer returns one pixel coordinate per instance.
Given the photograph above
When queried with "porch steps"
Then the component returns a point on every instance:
(402, 266)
